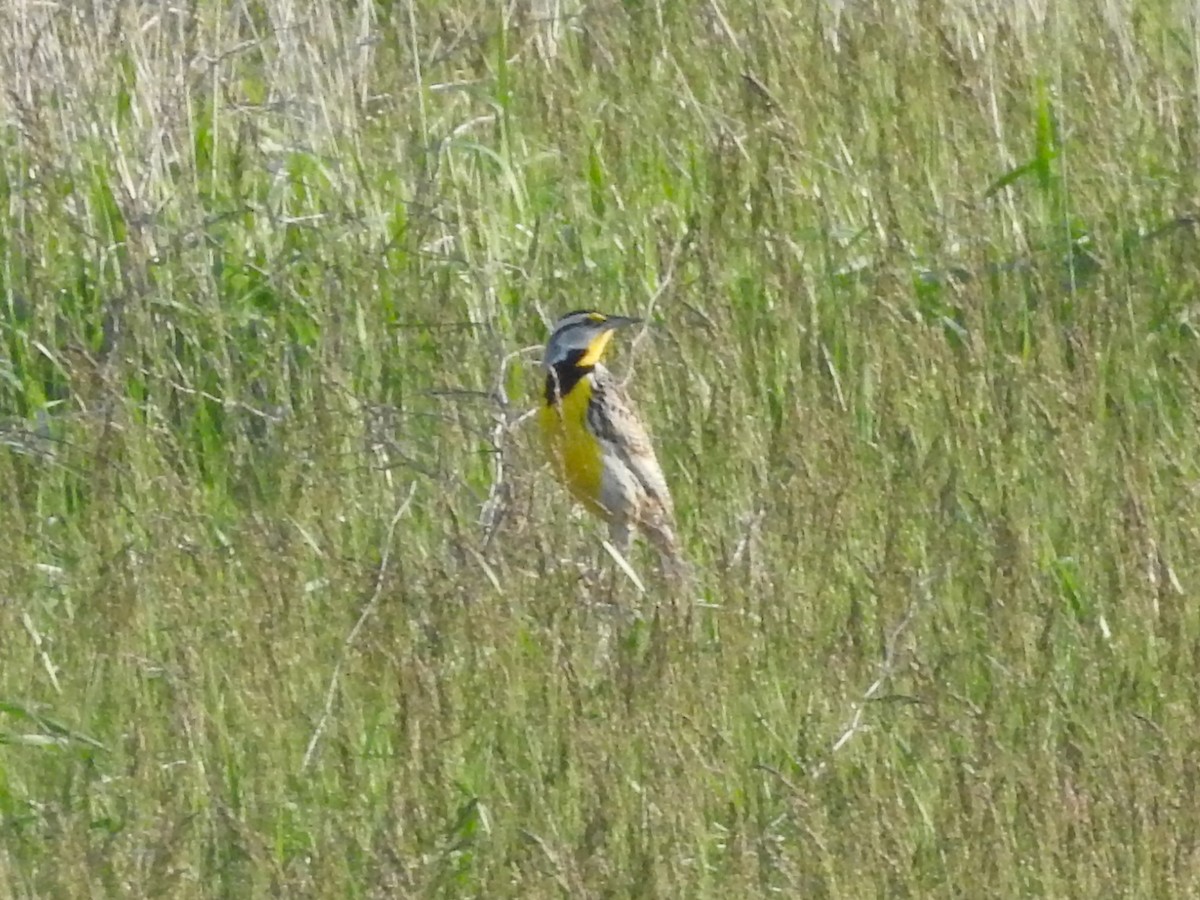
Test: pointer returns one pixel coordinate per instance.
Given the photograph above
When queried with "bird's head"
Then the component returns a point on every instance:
(579, 338)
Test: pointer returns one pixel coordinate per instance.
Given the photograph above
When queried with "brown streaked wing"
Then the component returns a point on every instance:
(612, 417)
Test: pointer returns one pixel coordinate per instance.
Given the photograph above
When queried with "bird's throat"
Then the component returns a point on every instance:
(561, 379)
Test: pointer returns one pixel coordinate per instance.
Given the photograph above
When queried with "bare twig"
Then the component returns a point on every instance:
(752, 524)
(668, 278)
(887, 668)
(492, 512)
(348, 643)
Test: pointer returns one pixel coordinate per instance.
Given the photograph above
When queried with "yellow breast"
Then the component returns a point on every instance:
(573, 452)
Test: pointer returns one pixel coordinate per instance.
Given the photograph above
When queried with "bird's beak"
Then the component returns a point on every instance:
(615, 322)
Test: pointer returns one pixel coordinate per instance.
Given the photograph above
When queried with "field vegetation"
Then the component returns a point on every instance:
(289, 604)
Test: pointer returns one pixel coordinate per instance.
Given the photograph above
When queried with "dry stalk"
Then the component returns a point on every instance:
(348, 643)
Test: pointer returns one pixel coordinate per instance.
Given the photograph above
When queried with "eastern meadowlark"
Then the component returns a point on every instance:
(597, 445)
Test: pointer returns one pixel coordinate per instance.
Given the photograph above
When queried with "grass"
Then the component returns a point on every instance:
(289, 603)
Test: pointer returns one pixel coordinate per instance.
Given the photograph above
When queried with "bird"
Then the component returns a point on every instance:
(596, 443)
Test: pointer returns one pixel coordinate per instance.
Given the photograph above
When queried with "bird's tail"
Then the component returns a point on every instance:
(673, 563)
